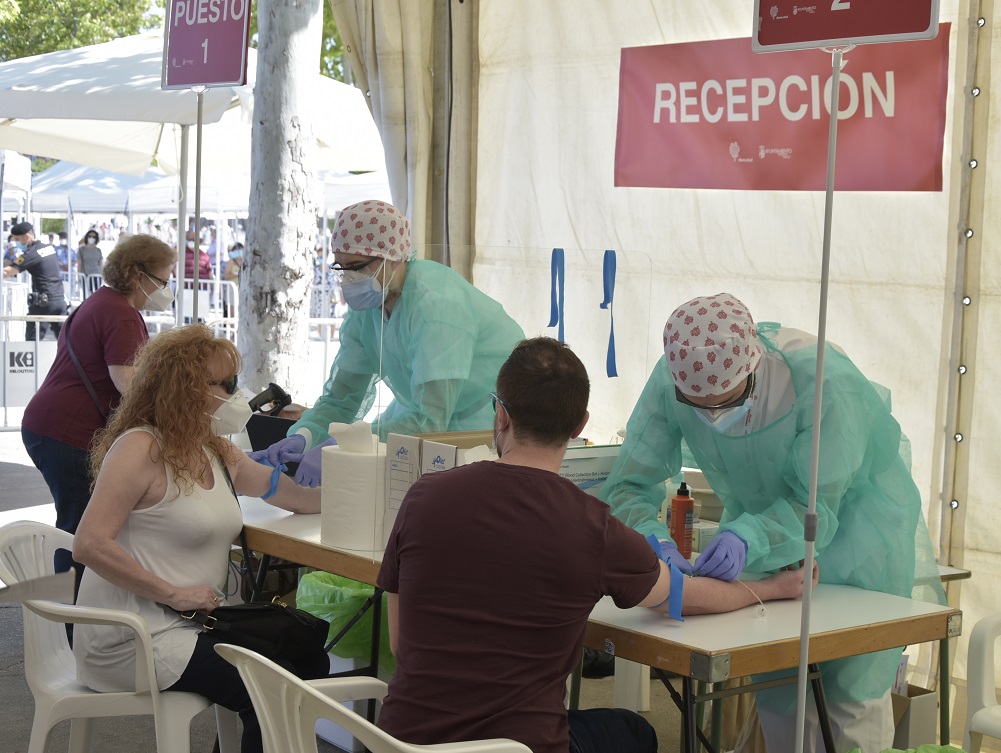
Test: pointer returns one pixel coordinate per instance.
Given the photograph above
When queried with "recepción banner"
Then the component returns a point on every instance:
(716, 115)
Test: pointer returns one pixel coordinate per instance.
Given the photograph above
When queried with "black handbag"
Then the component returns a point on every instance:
(274, 630)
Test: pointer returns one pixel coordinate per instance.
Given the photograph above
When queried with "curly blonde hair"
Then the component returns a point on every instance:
(133, 256)
(167, 393)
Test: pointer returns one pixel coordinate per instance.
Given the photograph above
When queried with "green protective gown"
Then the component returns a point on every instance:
(441, 350)
(871, 531)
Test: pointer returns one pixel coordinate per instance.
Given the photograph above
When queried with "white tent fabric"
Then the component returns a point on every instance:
(546, 116)
(65, 188)
(103, 106)
(16, 181)
(340, 190)
(389, 48)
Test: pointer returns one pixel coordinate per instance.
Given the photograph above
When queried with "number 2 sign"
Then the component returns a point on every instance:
(804, 24)
(205, 43)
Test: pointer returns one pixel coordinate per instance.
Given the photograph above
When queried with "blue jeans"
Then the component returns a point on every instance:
(66, 471)
(610, 731)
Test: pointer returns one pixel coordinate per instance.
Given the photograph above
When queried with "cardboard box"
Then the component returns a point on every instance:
(409, 457)
(915, 716)
(703, 532)
(589, 465)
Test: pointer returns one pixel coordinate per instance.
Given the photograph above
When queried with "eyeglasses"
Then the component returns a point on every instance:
(494, 399)
(227, 384)
(733, 403)
(342, 268)
(162, 283)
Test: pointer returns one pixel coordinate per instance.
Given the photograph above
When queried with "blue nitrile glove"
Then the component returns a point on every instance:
(280, 451)
(670, 552)
(310, 465)
(724, 558)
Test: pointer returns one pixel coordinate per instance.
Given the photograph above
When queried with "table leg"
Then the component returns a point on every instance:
(944, 681)
(688, 697)
(376, 640)
(262, 573)
(700, 711)
(822, 715)
(575, 685)
(716, 730)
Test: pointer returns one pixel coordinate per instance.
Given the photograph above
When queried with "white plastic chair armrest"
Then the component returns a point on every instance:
(342, 689)
(56, 612)
(494, 745)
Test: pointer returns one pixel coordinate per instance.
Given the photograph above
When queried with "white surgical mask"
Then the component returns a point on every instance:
(231, 417)
(91, 241)
(364, 291)
(191, 244)
(160, 299)
(724, 420)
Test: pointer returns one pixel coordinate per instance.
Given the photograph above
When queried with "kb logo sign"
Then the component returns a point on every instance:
(23, 359)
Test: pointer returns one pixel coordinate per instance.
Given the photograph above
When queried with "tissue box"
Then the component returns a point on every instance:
(915, 716)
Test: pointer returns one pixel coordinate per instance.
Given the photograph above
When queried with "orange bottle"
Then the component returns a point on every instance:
(682, 514)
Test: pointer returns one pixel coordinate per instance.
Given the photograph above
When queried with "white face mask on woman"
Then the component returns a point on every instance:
(231, 417)
(160, 299)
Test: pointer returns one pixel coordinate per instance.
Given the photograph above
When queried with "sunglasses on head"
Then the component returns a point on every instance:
(227, 384)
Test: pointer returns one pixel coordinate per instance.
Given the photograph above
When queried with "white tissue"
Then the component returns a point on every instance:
(474, 455)
(352, 494)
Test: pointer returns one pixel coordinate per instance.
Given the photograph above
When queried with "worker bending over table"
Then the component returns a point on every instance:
(493, 568)
(741, 396)
(433, 338)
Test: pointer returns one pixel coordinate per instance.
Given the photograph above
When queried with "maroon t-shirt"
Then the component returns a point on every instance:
(106, 330)
(497, 568)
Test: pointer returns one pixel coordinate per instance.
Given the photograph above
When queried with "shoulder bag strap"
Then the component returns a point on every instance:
(79, 369)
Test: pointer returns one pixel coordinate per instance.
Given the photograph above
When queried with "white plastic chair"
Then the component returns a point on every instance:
(983, 714)
(26, 550)
(288, 709)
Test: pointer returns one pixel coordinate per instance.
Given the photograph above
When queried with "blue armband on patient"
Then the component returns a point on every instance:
(276, 473)
(673, 599)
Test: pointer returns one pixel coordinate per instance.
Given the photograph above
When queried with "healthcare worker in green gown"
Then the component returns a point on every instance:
(419, 326)
(740, 396)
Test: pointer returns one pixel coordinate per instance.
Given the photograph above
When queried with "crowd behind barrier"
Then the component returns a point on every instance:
(25, 363)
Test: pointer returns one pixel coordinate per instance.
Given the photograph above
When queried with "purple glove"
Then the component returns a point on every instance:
(280, 451)
(670, 553)
(310, 465)
(724, 558)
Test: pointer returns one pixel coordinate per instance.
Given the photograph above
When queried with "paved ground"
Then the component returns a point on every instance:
(21, 485)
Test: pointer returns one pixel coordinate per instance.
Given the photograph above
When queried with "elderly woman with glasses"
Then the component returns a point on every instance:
(741, 397)
(92, 367)
(156, 536)
(433, 338)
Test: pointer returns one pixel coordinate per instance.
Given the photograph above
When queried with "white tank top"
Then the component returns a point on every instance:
(185, 539)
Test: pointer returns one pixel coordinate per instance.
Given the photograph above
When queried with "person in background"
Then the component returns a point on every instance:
(204, 267)
(39, 261)
(10, 252)
(66, 256)
(741, 396)
(433, 338)
(104, 331)
(157, 534)
(235, 264)
(522, 631)
(91, 260)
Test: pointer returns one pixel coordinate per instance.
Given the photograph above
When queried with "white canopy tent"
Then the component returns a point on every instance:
(910, 293)
(103, 106)
(66, 188)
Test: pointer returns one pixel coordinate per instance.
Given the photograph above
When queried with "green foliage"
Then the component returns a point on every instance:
(40, 26)
(53, 225)
(41, 163)
(8, 9)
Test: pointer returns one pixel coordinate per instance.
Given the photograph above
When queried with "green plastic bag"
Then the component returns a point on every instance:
(337, 599)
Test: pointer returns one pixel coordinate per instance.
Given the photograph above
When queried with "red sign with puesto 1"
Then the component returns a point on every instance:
(205, 43)
(803, 24)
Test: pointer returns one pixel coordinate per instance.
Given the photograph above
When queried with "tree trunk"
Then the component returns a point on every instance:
(276, 281)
